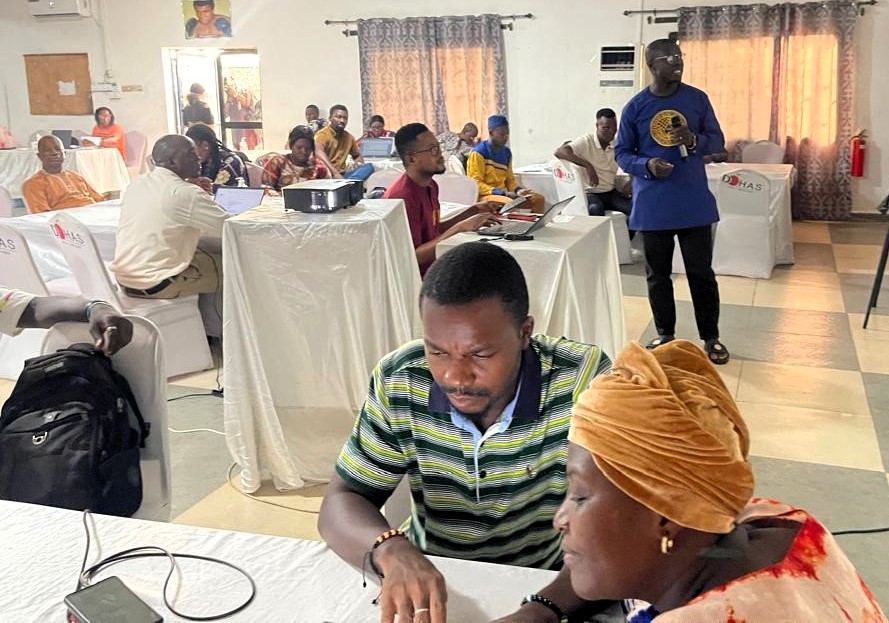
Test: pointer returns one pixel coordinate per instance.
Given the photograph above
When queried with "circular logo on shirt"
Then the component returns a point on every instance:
(661, 124)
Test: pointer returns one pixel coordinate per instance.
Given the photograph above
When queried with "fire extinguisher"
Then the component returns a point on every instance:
(856, 151)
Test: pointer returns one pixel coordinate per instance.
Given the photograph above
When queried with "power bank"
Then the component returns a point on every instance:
(109, 600)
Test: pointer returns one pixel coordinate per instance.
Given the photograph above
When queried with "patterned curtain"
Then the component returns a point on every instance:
(786, 73)
(441, 71)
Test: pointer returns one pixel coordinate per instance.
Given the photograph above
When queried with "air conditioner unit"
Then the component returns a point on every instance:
(43, 9)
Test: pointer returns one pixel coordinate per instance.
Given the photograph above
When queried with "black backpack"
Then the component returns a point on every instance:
(66, 438)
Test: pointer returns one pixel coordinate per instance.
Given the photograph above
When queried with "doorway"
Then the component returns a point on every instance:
(230, 87)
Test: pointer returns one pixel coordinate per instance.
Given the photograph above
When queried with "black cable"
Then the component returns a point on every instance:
(860, 531)
(213, 392)
(152, 551)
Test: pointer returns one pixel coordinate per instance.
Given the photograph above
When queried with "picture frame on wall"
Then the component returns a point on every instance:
(207, 18)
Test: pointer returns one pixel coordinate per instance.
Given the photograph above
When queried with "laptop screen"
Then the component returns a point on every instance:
(64, 136)
(376, 147)
(236, 200)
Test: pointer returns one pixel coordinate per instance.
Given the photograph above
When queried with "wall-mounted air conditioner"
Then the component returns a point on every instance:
(43, 9)
(617, 66)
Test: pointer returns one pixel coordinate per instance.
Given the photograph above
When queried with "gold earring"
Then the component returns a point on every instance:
(666, 545)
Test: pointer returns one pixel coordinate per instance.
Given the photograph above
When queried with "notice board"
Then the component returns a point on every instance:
(59, 84)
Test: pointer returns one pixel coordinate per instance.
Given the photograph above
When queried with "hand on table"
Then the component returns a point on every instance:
(474, 223)
(488, 207)
(110, 330)
(412, 587)
(659, 167)
(204, 182)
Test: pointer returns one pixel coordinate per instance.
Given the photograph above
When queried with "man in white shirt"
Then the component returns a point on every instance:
(163, 216)
(595, 154)
(20, 310)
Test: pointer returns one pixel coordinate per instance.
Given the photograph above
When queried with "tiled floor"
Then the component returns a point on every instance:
(811, 383)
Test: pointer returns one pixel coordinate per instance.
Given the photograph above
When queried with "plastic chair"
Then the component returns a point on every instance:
(5, 203)
(763, 152)
(744, 244)
(178, 320)
(18, 271)
(570, 181)
(254, 175)
(382, 179)
(142, 363)
(136, 146)
(455, 165)
(455, 188)
(37, 135)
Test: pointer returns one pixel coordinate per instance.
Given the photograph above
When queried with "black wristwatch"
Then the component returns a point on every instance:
(549, 603)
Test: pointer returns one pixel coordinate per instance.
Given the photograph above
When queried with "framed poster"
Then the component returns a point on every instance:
(207, 18)
(59, 84)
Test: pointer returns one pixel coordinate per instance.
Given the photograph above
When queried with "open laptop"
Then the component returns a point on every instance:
(64, 136)
(376, 148)
(525, 228)
(235, 200)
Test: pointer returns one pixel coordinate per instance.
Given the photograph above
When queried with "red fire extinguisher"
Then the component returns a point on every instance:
(856, 151)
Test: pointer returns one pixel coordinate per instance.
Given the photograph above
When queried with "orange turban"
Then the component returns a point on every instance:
(665, 430)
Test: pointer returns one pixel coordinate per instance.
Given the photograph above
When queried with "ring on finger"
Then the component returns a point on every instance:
(420, 610)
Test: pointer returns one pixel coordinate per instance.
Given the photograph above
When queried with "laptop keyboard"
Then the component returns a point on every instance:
(507, 227)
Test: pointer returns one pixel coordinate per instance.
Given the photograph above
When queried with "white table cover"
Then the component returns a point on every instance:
(296, 580)
(312, 302)
(539, 178)
(573, 278)
(103, 169)
(781, 179)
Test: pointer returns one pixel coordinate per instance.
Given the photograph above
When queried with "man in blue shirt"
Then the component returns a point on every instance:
(665, 132)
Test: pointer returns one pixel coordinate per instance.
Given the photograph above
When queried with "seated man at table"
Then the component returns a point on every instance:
(53, 188)
(20, 310)
(459, 144)
(422, 158)
(595, 154)
(490, 165)
(475, 415)
(162, 219)
(336, 145)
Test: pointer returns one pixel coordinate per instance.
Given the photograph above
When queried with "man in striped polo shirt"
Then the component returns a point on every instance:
(476, 417)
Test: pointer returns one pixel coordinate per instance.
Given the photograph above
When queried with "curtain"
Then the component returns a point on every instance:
(785, 73)
(441, 71)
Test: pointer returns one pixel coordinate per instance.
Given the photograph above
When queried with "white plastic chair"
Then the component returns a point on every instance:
(142, 363)
(37, 135)
(455, 165)
(18, 271)
(763, 152)
(570, 181)
(455, 188)
(254, 175)
(5, 203)
(382, 179)
(745, 237)
(178, 320)
(136, 146)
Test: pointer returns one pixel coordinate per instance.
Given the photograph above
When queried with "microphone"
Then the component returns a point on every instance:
(676, 122)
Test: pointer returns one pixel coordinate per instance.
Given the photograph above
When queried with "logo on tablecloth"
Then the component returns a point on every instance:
(7, 245)
(563, 174)
(738, 182)
(66, 235)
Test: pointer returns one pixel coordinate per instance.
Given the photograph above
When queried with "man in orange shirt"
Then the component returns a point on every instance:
(51, 188)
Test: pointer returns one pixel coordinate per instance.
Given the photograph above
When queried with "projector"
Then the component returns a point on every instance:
(322, 196)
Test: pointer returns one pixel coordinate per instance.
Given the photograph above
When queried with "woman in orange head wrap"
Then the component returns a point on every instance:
(659, 506)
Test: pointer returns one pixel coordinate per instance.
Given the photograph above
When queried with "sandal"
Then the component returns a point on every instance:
(716, 351)
(659, 341)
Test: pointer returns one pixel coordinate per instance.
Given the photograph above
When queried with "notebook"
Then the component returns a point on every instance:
(378, 148)
(235, 200)
(524, 228)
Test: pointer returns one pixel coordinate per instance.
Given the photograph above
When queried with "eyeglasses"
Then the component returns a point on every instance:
(672, 59)
(435, 150)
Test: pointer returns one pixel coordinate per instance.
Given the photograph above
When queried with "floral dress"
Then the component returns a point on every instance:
(226, 171)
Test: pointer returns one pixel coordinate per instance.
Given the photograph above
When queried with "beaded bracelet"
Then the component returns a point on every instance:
(543, 601)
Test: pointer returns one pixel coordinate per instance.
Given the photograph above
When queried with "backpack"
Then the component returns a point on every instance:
(66, 438)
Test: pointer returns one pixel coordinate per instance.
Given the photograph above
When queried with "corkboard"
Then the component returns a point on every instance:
(59, 84)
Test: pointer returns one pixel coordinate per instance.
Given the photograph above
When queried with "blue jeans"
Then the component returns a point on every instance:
(362, 172)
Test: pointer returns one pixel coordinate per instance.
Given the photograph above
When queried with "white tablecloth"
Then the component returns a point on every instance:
(101, 219)
(573, 279)
(781, 179)
(104, 169)
(296, 580)
(539, 178)
(311, 304)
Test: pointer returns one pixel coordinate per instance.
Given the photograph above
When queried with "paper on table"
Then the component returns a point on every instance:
(92, 140)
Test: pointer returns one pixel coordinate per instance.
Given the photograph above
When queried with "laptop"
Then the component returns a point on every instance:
(376, 148)
(525, 228)
(64, 136)
(235, 200)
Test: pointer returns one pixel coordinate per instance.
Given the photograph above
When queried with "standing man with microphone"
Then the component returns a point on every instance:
(665, 131)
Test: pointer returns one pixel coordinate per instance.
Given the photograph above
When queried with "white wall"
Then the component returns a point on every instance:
(551, 81)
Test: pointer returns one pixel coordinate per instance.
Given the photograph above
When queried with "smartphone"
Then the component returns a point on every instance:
(512, 205)
(109, 600)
